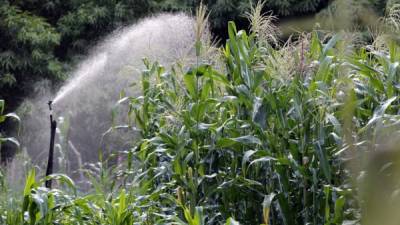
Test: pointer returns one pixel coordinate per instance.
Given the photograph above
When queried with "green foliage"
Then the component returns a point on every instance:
(26, 52)
(3, 118)
(276, 137)
(293, 7)
(86, 21)
(222, 11)
(258, 143)
(230, 141)
(261, 145)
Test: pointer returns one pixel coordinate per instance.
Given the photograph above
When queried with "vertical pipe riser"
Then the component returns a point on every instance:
(53, 127)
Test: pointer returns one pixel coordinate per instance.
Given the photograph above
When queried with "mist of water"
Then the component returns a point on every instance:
(83, 105)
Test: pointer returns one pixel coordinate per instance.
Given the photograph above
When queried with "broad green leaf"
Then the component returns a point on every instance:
(232, 221)
(262, 159)
(62, 178)
(323, 161)
(247, 140)
(1, 106)
(11, 140)
(339, 210)
(267, 207)
(190, 83)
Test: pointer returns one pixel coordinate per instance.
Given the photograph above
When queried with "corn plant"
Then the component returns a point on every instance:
(244, 143)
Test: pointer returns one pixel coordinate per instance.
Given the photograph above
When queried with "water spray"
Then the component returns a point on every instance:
(95, 85)
(53, 126)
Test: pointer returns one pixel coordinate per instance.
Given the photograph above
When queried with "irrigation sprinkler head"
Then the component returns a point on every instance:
(50, 103)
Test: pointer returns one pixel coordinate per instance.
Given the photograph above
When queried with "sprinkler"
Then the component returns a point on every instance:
(53, 126)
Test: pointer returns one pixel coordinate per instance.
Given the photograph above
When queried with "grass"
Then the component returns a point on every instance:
(277, 136)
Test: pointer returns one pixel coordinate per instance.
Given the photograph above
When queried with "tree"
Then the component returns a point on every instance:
(26, 52)
(41, 39)
(222, 11)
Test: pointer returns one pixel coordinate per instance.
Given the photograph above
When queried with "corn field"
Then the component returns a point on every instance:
(256, 132)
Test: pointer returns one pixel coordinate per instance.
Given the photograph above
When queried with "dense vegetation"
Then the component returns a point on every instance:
(43, 39)
(266, 136)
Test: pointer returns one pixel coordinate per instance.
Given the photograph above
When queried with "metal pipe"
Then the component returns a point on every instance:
(53, 127)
